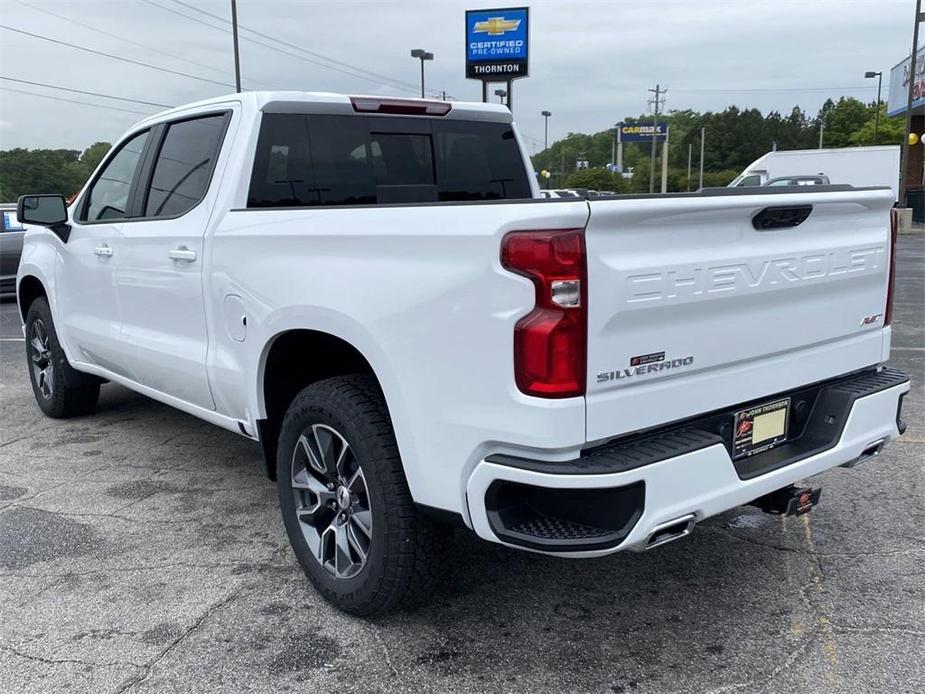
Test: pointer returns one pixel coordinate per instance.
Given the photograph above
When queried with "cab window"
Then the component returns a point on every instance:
(108, 198)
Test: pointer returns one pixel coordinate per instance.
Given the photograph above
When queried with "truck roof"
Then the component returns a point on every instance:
(329, 102)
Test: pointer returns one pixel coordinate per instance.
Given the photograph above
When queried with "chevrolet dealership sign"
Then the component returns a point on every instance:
(899, 85)
(497, 44)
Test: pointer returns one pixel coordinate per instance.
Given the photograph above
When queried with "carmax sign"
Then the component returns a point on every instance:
(641, 133)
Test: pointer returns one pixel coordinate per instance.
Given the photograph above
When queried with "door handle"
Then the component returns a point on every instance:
(183, 253)
(103, 251)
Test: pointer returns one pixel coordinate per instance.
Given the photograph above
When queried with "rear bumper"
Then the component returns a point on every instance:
(619, 496)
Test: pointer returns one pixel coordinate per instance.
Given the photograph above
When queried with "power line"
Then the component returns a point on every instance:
(114, 57)
(255, 41)
(74, 101)
(74, 22)
(271, 47)
(378, 75)
(81, 91)
(781, 89)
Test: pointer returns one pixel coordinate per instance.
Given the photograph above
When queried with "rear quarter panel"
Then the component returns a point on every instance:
(420, 292)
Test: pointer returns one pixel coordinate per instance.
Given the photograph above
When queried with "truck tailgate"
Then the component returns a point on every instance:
(691, 309)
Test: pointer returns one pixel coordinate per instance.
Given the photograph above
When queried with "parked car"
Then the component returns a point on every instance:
(374, 290)
(11, 233)
(811, 180)
(558, 194)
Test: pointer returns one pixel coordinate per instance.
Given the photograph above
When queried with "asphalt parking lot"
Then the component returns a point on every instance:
(141, 550)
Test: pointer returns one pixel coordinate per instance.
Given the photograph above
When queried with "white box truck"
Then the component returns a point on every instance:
(857, 166)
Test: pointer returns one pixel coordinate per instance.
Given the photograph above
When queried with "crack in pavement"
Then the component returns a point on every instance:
(68, 661)
(811, 552)
(147, 669)
(149, 567)
(16, 502)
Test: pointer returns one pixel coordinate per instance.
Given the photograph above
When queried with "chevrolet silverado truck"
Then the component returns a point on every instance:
(374, 290)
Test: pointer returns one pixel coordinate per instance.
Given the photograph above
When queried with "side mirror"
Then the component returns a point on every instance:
(46, 211)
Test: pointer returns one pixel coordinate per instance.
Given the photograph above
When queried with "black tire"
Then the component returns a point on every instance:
(60, 391)
(404, 550)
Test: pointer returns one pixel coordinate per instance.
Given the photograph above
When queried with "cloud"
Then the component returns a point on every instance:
(591, 62)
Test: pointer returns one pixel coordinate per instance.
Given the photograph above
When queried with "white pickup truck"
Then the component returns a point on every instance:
(374, 290)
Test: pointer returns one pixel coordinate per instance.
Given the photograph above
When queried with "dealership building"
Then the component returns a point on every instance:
(896, 106)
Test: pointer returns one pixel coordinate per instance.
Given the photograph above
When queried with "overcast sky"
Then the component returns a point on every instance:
(591, 62)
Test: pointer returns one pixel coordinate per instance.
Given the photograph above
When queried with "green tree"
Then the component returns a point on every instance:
(39, 171)
(596, 179)
(842, 119)
(93, 155)
(891, 130)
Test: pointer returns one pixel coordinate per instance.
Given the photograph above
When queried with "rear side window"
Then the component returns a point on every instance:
(479, 161)
(356, 160)
(184, 165)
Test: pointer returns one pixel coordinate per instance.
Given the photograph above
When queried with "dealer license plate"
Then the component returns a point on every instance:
(760, 428)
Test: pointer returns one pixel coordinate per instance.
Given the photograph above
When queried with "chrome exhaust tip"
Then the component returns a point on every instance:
(671, 530)
(869, 453)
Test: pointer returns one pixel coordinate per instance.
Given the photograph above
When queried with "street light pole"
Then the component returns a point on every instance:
(879, 75)
(546, 115)
(422, 55)
(500, 93)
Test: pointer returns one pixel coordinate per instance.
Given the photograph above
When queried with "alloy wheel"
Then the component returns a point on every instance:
(43, 368)
(331, 500)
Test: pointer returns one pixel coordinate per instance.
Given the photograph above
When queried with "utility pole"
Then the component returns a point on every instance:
(619, 161)
(904, 161)
(658, 91)
(561, 166)
(702, 133)
(690, 149)
(234, 34)
(665, 161)
(821, 129)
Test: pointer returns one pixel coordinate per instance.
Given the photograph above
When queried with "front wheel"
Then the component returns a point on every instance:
(345, 501)
(59, 389)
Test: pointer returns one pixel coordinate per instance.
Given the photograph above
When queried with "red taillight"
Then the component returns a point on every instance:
(401, 107)
(894, 230)
(550, 342)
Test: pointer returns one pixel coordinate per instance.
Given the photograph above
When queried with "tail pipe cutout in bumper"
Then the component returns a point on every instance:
(594, 502)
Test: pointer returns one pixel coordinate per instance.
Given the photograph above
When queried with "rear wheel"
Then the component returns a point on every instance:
(345, 502)
(59, 390)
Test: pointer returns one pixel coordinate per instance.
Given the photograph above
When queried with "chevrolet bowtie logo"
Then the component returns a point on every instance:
(496, 26)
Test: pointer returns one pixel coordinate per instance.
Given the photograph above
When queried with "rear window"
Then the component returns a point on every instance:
(306, 160)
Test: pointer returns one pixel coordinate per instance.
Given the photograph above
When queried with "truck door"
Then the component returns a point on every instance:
(88, 309)
(159, 270)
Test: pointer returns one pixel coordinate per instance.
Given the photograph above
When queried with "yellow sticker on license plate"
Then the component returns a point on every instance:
(760, 428)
